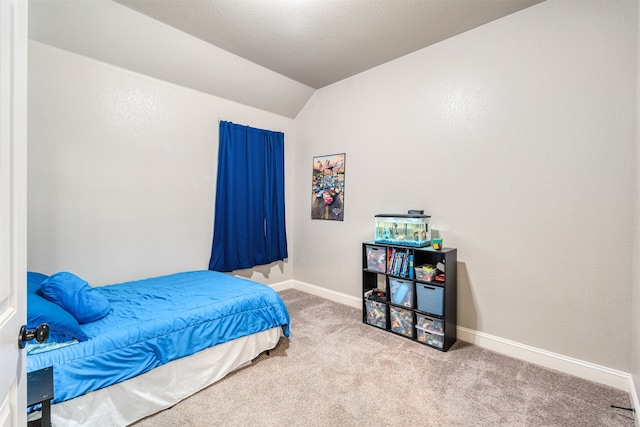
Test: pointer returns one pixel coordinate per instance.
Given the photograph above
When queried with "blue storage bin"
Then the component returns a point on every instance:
(430, 299)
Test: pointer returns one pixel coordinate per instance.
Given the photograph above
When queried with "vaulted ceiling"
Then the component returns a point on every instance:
(321, 42)
(271, 54)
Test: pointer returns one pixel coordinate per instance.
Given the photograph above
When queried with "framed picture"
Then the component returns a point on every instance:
(327, 188)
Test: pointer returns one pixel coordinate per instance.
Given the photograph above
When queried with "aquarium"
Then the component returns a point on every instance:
(404, 230)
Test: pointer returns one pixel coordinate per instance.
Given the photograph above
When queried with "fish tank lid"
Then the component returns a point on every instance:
(402, 216)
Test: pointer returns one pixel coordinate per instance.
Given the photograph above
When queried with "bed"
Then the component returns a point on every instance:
(142, 346)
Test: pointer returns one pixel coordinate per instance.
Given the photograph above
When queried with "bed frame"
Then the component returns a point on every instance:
(136, 398)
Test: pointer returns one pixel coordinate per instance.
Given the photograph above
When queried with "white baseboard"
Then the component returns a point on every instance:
(579, 368)
(319, 291)
(281, 286)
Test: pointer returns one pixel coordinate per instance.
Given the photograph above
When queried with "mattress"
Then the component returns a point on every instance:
(158, 320)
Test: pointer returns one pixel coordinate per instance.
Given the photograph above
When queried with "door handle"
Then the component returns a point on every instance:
(41, 334)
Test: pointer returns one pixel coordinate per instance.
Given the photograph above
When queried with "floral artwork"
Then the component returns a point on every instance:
(327, 198)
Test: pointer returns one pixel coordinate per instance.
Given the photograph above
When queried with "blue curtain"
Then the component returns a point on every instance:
(249, 225)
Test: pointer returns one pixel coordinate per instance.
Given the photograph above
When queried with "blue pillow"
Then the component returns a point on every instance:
(76, 296)
(34, 280)
(62, 325)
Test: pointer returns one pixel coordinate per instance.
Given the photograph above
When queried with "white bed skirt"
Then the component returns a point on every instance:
(131, 400)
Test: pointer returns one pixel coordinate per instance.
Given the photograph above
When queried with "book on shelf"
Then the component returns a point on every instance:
(399, 262)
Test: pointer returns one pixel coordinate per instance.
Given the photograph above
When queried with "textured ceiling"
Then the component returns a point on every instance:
(319, 42)
(269, 54)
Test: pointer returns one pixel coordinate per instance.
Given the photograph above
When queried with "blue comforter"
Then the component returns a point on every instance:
(157, 320)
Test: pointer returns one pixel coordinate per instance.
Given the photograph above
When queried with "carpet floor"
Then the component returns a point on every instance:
(336, 371)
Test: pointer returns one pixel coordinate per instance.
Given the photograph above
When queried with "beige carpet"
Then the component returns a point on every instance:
(336, 371)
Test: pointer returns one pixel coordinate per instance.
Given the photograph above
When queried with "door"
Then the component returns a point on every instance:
(13, 187)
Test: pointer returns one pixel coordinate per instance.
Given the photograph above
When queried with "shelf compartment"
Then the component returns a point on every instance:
(401, 292)
(429, 338)
(430, 298)
(401, 321)
(426, 273)
(376, 313)
(430, 324)
(376, 258)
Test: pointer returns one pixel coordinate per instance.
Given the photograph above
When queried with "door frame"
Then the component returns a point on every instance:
(13, 212)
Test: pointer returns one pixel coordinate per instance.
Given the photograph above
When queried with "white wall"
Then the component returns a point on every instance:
(518, 138)
(122, 170)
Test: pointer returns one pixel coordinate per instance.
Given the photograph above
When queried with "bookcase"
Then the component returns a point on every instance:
(411, 292)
